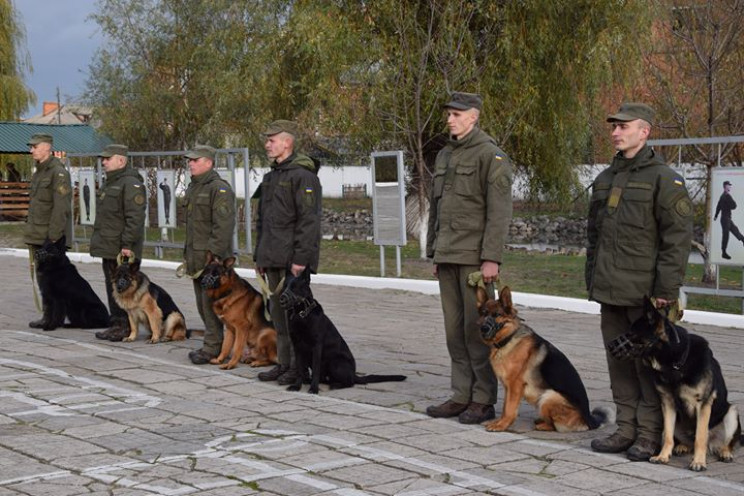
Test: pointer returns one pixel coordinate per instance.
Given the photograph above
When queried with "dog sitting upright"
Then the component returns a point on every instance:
(147, 303)
(241, 308)
(64, 292)
(317, 343)
(694, 398)
(530, 367)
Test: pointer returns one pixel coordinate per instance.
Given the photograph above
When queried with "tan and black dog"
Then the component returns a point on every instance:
(530, 367)
(694, 398)
(241, 308)
(147, 303)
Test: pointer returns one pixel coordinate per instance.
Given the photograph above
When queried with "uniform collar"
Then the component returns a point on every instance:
(205, 178)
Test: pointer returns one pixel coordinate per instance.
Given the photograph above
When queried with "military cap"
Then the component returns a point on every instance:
(40, 138)
(201, 151)
(114, 149)
(630, 111)
(726, 183)
(464, 101)
(281, 126)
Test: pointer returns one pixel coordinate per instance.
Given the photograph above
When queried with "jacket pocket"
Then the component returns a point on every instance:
(638, 202)
(634, 256)
(466, 180)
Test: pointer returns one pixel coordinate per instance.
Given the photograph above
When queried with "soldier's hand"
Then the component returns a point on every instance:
(297, 269)
(260, 271)
(661, 303)
(490, 271)
(127, 253)
(435, 271)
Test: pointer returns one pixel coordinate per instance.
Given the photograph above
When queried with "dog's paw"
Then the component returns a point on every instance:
(496, 426)
(313, 390)
(128, 339)
(659, 459)
(293, 387)
(227, 366)
(215, 361)
(166, 339)
(726, 457)
(681, 449)
(698, 466)
(152, 341)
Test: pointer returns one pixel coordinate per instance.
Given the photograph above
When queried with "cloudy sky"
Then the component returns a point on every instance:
(61, 42)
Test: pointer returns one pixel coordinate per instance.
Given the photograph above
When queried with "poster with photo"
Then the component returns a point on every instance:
(87, 197)
(166, 198)
(727, 216)
(148, 194)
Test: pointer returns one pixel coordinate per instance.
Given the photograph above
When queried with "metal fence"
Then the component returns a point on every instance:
(227, 161)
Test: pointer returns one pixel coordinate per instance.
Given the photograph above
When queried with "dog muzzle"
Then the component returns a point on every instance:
(122, 284)
(210, 281)
(629, 347)
(288, 299)
(489, 328)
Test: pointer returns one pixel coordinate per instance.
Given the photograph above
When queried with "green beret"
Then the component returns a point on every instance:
(112, 150)
(631, 111)
(201, 151)
(464, 101)
(40, 138)
(281, 126)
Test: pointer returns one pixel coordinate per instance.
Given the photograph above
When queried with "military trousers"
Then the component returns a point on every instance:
(118, 316)
(284, 350)
(214, 330)
(636, 399)
(472, 377)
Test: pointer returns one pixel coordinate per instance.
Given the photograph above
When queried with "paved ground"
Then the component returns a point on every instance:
(82, 416)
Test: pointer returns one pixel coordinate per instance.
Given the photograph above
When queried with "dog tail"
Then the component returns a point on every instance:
(372, 378)
(603, 415)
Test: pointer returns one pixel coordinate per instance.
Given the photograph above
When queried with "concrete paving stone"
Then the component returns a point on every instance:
(383, 450)
(653, 490)
(651, 471)
(546, 487)
(146, 377)
(487, 456)
(588, 457)
(421, 487)
(436, 443)
(48, 447)
(391, 431)
(322, 461)
(341, 422)
(301, 485)
(69, 485)
(598, 480)
(708, 486)
(371, 474)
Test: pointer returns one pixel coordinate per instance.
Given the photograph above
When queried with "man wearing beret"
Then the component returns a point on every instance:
(469, 213)
(287, 231)
(725, 206)
(50, 207)
(639, 233)
(210, 224)
(119, 227)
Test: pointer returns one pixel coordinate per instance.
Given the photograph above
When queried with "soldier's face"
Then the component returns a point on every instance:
(114, 162)
(40, 151)
(629, 137)
(198, 166)
(461, 122)
(279, 146)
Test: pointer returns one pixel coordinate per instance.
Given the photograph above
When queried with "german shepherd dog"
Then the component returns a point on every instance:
(693, 393)
(64, 292)
(241, 308)
(530, 367)
(317, 343)
(147, 303)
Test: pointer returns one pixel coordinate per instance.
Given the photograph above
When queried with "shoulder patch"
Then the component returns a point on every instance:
(63, 189)
(498, 157)
(683, 207)
(139, 199)
(503, 182)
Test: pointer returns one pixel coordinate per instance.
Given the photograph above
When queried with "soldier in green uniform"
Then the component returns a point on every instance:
(119, 228)
(639, 235)
(470, 211)
(210, 224)
(50, 203)
(287, 231)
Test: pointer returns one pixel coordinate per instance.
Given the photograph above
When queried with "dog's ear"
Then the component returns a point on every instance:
(306, 273)
(61, 242)
(229, 263)
(481, 296)
(134, 266)
(650, 312)
(505, 298)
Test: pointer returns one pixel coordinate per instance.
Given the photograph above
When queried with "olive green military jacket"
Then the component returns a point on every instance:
(210, 219)
(289, 214)
(120, 215)
(50, 207)
(471, 202)
(641, 246)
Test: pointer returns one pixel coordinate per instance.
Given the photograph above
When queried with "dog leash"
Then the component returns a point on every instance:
(181, 272)
(267, 293)
(32, 268)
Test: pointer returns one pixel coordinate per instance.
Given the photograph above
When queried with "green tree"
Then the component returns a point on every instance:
(15, 96)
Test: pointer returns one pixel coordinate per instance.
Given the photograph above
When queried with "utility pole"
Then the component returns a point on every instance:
(59, 108)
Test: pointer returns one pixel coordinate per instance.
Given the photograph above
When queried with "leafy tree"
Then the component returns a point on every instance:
(698, 66)
(15, 97)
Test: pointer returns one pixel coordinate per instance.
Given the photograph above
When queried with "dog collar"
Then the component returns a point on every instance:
(309, 307)
(683, 359)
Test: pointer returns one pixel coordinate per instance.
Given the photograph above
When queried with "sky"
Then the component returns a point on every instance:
(61, 42)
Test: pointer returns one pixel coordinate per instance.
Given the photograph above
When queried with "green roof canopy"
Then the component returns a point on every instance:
(70, 138)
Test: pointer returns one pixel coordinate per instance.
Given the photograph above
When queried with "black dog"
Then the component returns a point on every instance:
(64, 292)
(317, 343)
(693, 393)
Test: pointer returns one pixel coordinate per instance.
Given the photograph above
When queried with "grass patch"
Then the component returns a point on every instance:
(526, 272)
